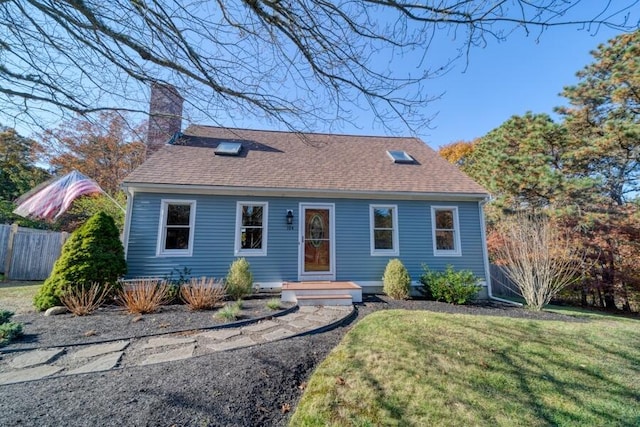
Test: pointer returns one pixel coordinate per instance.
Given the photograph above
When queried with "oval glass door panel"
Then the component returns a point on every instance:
(317, 252)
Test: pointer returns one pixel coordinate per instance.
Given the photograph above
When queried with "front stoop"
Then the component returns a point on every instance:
(321, 293)
(324, 300)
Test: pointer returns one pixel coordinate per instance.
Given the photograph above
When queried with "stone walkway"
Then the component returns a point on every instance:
(32, 365)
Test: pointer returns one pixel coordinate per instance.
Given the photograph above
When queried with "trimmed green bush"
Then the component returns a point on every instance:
(93, 254)
(239, 280)
(396, 280)
(454, 287)
(8, 330)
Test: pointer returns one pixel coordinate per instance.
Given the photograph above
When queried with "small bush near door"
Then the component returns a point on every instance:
(454, 287)
(396, 280)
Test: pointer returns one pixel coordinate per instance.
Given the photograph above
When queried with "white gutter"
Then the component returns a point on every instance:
(485, 253)
(297, 192)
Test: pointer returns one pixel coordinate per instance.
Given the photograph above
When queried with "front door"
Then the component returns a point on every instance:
(317, 246)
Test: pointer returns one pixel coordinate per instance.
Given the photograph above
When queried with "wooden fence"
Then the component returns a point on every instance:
(501, 285)
(28, 254)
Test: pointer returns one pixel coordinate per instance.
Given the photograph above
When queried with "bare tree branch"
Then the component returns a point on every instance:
(274, 58)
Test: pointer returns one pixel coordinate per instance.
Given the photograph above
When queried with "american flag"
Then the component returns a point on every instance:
(51, 200)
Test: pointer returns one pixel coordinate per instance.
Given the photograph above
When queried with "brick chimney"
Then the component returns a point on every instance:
(165, 115)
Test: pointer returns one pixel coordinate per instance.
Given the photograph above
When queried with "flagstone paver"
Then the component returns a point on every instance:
(100, 349)
(320, 319)
(278, 334)
(301, 323)
(220, 334)
(167, 341)
(33, 358)
(260, 326)
(227, 345)
(290, 316)
(103, 363)
(169, 356)
(29, 374)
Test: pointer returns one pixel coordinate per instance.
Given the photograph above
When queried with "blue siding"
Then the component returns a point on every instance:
(213, 248)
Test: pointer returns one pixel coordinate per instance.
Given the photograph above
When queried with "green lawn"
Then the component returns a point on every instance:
(414, 368)
(18, 296)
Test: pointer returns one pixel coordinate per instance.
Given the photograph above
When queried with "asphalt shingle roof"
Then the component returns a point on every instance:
(309, 161)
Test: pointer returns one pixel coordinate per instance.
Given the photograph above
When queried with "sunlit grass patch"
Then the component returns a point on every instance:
(421, 368)
(18, 298)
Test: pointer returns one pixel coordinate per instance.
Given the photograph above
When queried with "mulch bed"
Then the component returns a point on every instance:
(253, 386)
(113, 322)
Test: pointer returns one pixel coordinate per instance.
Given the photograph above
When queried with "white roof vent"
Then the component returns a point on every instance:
(400, 156)
(228, 148)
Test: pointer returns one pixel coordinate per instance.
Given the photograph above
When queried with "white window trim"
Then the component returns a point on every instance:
(162, 233)
(395, 240)
(457, 251)
(265, 222)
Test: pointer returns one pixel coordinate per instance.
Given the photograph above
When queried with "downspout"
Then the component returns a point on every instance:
(127, 220)
(485, 253)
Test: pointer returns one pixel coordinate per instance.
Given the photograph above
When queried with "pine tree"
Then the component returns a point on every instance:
(604, 119)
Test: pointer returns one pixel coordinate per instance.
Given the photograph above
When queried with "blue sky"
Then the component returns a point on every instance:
(523, 73)
(510, 78)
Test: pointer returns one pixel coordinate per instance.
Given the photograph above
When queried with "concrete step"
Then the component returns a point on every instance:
(306, 300)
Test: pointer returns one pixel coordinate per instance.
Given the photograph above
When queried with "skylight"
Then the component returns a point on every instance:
(228, 148)
(399, 156)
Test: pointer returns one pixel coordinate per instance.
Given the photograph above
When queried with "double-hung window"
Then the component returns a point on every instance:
(175, 235)
(384, 230)
(446, 231)
(251, 228)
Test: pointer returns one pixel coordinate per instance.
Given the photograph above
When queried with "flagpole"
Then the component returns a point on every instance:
(114, 202)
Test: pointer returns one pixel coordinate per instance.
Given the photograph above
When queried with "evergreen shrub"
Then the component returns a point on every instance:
(239, 279)
(8, 330)
(454, 287)
(396, 280)
(93, 254)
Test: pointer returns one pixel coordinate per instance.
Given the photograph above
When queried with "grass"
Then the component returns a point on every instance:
(230, 312)
(18, 296)
(419, 368)
(273, 304)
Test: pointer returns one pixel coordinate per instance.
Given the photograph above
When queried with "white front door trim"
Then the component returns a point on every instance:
(314, 275)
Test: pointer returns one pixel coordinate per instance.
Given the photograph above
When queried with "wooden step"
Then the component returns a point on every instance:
(304, 300)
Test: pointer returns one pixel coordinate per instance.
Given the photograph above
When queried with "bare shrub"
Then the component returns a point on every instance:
(82, 301)
(202, 294)
(537, 258)
(144, 295)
